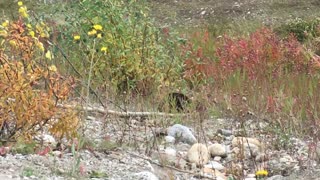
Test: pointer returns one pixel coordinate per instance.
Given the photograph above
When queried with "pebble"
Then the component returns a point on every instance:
(217, 158)
(224, 132)
(146, 175)
(251, 176)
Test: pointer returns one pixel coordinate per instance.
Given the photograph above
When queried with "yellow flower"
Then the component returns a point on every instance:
(12, 43)
(262, 173)
(52, 68)
(99, 35)
(5, 23)
(20, 3)
(23, 11)
(76, 37)
(31, 33)
(40, 46)
(104, 49)
(3, 33)
(92, 32)
(48, 55)
(29, 26)
(97, 27)
(44, 34)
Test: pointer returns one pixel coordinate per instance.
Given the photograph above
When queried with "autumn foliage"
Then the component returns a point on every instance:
(31, 87)
(261, 53)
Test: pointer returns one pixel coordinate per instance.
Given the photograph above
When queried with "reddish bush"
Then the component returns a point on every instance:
(261, 54)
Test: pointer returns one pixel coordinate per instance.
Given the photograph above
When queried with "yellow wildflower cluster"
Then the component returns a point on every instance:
(48, 55)
(262, 173)
(3, 29)
(23, 11)
(5, 24)
(52, 68)
(104, 49)
(40, 46)
(96, 30)
(92, 32)
(42, 29)
(76, 37)
(97, 27)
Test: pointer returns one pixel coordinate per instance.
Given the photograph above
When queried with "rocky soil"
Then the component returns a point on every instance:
(158, 148)
(194, 13)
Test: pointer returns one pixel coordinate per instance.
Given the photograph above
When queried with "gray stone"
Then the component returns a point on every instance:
(225, 132)
(182, 134)
(214, 165)
(182, 147)
(276, 177)
(169, 139)
(261, 157)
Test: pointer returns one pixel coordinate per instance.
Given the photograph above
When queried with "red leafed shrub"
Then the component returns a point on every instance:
(197, 66)
(262, 53)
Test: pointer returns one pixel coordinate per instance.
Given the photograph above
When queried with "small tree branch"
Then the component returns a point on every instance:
(120, 113)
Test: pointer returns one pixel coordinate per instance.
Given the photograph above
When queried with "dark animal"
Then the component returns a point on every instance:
(177, 102)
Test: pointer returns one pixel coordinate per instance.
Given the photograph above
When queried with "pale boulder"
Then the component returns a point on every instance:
(245, 142)
(198, 154)
(217, 150)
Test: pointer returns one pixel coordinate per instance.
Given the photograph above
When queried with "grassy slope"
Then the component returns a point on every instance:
(270, 12)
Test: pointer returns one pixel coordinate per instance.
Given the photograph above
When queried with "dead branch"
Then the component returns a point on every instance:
(120, 113)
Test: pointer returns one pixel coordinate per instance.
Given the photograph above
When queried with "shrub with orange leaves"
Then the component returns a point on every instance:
(31, 87)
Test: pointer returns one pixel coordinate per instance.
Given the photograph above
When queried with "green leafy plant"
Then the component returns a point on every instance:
(301, 28)
(119, 43)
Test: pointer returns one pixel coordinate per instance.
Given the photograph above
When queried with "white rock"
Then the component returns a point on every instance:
(198, 154)
(217, 150)
(146, 175)
(181, 133)
(170, 139)
(217, 158)
(214, 165)
(170, 151)
(47, 139)
(57, 153)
